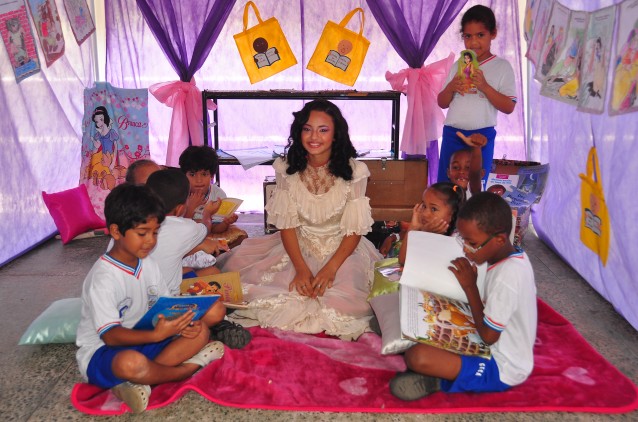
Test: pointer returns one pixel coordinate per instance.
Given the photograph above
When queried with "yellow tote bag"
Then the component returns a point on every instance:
(594, 226)
(263, 48)
(340, 52)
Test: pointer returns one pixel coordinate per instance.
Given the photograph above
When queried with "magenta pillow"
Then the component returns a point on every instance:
(72, 212)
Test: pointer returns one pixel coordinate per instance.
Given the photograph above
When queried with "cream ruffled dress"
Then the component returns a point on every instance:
(322, 209)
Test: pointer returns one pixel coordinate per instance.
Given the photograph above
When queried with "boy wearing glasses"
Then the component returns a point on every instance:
(505, 317)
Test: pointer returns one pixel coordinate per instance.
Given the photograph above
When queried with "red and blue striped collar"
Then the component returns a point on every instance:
(492, 57)
(134, 271)
(517, 254)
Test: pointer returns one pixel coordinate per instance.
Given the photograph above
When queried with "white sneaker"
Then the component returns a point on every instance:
(136, 396)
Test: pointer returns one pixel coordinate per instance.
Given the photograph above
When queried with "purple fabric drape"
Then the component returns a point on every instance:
(186, 32)
(414, 28)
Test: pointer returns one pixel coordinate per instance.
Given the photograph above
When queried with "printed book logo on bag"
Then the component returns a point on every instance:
(340, 52)
(263, 49)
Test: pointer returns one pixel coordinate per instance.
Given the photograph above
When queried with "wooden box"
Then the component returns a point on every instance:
(395, 186)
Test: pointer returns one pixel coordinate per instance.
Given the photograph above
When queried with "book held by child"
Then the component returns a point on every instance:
(172, 307)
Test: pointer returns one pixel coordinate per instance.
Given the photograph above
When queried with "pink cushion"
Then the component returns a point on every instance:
(72, 212)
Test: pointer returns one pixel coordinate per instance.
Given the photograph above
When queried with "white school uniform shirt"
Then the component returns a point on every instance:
(214, 193)
(114, 294)
(510, 307)
(176, 237)
(474, 111)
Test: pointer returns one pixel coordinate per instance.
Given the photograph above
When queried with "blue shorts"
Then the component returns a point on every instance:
(451, 143)
(190, 274)
(477, 375)
(100, 371)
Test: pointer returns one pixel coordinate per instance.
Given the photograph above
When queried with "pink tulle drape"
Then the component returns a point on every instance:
(424, 118)
(186, 122)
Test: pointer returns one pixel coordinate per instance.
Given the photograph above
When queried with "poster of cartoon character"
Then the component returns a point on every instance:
(47, 23)
(18, 39)
(554, 40)
(562, 80)
(538, 29)
(595, 62)
(114, 134)
(624, 89)
(80, 19)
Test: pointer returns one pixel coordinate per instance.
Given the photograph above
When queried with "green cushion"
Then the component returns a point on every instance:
(386, 277)
(57, 324)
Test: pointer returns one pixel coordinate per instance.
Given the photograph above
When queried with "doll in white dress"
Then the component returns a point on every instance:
(314, 274)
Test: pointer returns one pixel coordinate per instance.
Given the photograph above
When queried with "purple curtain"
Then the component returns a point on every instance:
(414, 28)
(186, 28)
(186, 32)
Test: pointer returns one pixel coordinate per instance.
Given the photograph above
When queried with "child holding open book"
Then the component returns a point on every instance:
(199, 163)
(505, 317)
(121, 286)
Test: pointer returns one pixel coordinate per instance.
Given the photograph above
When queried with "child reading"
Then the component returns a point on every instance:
(505, 317)
(121, 286)
(199, 163)
(495, 91)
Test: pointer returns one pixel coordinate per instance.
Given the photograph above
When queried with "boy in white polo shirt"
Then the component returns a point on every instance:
(121, 286)
(506, 317)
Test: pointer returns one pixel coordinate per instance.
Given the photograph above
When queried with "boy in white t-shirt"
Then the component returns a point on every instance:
(120, 287)
(179, 236)
(505, 317)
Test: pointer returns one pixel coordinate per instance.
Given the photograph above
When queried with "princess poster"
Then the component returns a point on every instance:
(540, 11)
(47, 23)
(624, 88)
(553, 41)
(595, 62)
(115, 133)
(80, 19)
(18, 39)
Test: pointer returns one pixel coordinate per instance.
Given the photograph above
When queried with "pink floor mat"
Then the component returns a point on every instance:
(290, 371)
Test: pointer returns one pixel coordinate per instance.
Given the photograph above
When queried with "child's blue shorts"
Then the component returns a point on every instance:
(477, 375)
(190, 274)
(100, 371)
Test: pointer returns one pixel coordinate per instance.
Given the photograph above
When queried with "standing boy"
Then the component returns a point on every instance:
(121, 286)
(505, 317)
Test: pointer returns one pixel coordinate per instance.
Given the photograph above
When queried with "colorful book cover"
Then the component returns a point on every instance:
(18, 39)
(174, 306)
(48, 27)
(440, 322)
(80, 19)
(468, 64)
(228, 285)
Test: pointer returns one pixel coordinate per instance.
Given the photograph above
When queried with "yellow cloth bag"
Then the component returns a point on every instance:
(263, 48)
(594, 226)
(340, 52)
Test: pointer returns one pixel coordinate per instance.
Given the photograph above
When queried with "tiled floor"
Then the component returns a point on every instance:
(36, 381)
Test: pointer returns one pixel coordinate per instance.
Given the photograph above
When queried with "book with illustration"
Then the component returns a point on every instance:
(433, 308)
(172, 307)
(228, 285)
(227, 208)
(440, 322)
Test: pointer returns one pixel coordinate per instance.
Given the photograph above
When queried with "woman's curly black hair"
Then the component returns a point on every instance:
(342, 148)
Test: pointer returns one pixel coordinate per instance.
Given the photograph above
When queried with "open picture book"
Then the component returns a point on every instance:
(433, 306)
(172, 307)
(226, 209)
(228, 285)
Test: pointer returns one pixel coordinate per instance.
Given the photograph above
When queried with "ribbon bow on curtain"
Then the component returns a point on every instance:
(424, 118)
(186, 123)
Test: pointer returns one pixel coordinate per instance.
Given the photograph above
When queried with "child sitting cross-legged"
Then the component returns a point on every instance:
(199, 164)
(179, 236)
(121, 286)
(505, 316)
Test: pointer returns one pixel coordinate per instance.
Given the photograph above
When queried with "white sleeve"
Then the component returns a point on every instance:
(281, 208)
(357, 214)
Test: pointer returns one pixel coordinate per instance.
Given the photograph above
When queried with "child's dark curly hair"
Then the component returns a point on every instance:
(491, 213)
(342, 148)
(481, 14)
(130, 205)
(196, 158)
(455, 198)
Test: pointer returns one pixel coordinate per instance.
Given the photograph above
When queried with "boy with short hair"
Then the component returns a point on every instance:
(179, 236)
(120, 287)
(505, 317)
(199, 164)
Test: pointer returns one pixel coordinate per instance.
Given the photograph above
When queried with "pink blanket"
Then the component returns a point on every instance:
(290, 371)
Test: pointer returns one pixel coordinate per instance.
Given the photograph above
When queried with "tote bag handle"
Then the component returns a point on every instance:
(255, 10)
(349, 16)
(593, 169)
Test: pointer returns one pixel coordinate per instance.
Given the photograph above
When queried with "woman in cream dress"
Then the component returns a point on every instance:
(314, 274)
